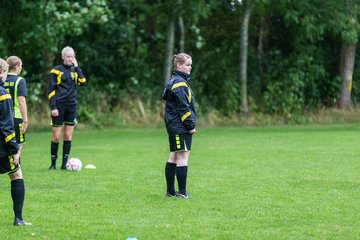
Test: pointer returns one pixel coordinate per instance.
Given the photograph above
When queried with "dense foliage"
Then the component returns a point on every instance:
(293, 53)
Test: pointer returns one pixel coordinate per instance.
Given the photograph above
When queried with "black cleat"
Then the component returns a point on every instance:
(52, 167)
(182, 195)
(63, 167)
(169, 194)
(21, 222)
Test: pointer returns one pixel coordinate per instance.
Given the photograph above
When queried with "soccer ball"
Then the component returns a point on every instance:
(74, 164)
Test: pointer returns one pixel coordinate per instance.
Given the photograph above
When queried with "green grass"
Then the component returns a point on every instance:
(246, 183)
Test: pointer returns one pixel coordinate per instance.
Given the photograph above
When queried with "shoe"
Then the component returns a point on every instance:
(63, 167)
(52, 167)
(182, 195)
(21, 222)
(169, 194)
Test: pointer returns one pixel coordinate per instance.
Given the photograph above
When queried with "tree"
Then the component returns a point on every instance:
(174, 14)
(294, 56)
(347, 62)
(349, 32)
(244, 54)
(181, 29)
(170, 34)
(39, 29)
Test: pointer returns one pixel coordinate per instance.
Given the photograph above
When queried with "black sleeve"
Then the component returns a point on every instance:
(80, 78)
(7, 124)
(183, 98)
(21, 89)
(55, 79)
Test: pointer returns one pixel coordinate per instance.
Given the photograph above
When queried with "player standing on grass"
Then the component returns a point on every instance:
(9, 155)
(180, 120)
(63, 81)
(16, 86)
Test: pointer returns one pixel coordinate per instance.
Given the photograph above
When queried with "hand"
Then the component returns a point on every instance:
(193, 131)
(16, 158)
(54, 112)
(24, 127)
(75, 63)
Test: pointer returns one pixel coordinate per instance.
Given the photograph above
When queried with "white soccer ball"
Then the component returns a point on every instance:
(74, 164)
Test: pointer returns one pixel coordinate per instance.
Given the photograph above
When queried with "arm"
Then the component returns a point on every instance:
(80, 78)
(7, 125)
(55, 79)
(21, 95)
(23, 111)
(183, 99)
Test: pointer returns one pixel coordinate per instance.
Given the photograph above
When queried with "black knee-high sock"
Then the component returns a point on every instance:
(181, 175)
(54, 151)
(170, 177)
(18, 196)
(66, 151)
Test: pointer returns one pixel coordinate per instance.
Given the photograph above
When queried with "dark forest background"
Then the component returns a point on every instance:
(261, 60)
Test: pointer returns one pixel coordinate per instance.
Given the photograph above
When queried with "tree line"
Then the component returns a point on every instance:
(251, 56)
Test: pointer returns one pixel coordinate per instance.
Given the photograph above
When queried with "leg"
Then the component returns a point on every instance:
(170, 168)
(18, 196)
(181, 172)
(68, 131)
(182, 159)
(56, 131)
(20, 148)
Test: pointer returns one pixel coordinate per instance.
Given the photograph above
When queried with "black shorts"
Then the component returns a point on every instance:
(18, 124)
(66, 115)
(6, 165)
(180, 142)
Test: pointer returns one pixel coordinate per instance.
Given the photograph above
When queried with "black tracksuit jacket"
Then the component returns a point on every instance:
(8, 145)
(62, 85)
(180, 113)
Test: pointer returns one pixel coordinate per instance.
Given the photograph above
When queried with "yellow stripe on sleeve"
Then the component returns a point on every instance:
(185, 116)
(58, 73)
(82, 80)
(51, 94)
(54, 71)
(8, 138)
(5, 96)
(189, 95)
(180, 84)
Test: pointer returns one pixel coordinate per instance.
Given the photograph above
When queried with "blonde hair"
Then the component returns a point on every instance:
(13, 61)
(180, 58)
(3, 65)
(67, 49)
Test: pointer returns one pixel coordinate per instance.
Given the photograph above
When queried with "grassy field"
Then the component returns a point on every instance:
(246, 183)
